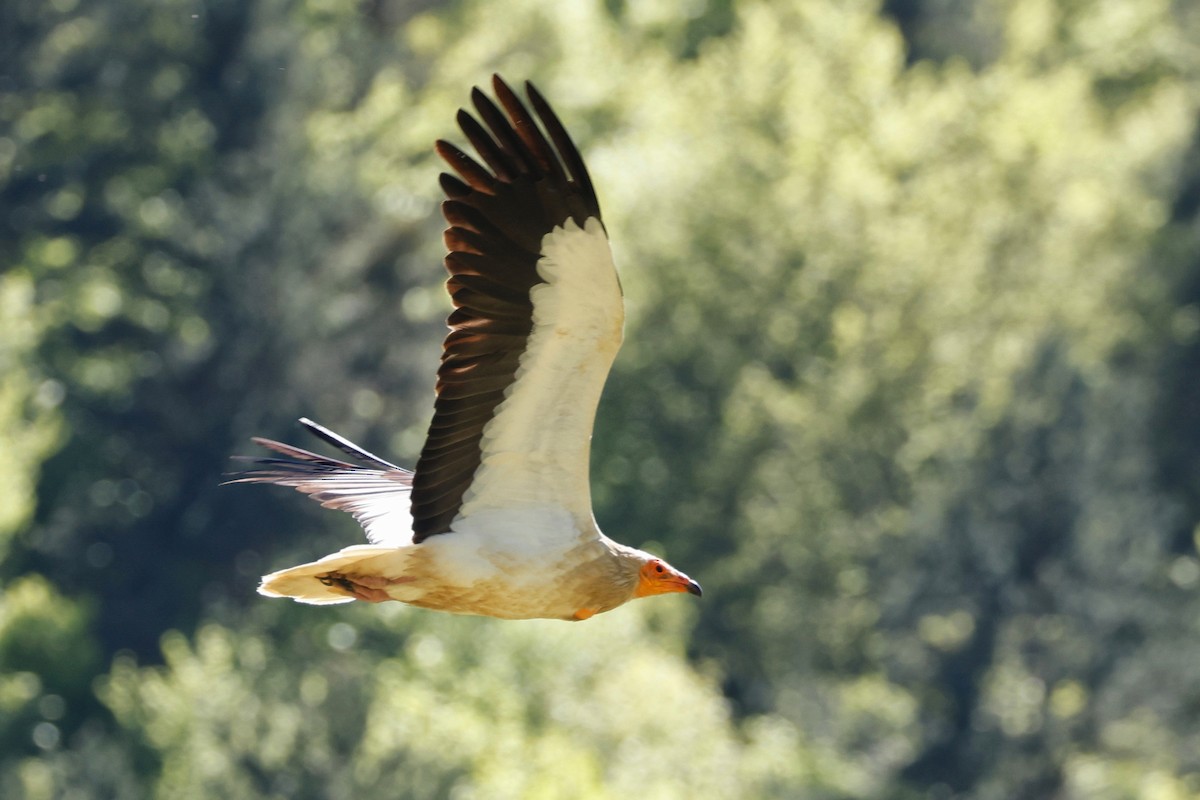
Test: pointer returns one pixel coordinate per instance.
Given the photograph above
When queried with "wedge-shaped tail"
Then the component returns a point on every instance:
(343, 576)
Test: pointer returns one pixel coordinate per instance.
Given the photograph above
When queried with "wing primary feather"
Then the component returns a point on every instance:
(525, 127)
(345, 445)
(461, 215)
(471, 170)
(453, 187)
(295, 453)
(566, 148)
(506, 137)
(487, 148)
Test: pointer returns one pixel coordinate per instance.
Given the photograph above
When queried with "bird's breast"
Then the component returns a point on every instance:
(471, 572)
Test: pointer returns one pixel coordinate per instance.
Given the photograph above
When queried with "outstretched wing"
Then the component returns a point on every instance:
(537, 322)
(376, 495)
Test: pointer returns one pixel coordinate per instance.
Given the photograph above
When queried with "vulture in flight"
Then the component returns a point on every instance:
(496, 519)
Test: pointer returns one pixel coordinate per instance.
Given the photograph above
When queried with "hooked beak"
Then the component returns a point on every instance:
(658, 577)
(682, 583)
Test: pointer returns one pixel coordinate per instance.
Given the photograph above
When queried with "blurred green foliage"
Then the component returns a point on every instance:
(457, 708)
(909, 384)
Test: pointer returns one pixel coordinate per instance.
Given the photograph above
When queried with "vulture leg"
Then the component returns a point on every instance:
(359, 588)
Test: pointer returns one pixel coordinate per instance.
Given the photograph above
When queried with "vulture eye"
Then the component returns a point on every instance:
(658, 567)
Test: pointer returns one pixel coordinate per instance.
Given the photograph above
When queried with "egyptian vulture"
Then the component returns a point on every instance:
(496, 519)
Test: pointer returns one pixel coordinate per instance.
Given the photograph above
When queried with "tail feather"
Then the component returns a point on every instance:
(303, 583)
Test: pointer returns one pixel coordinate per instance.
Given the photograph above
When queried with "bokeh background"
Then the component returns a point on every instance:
(911, 385)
